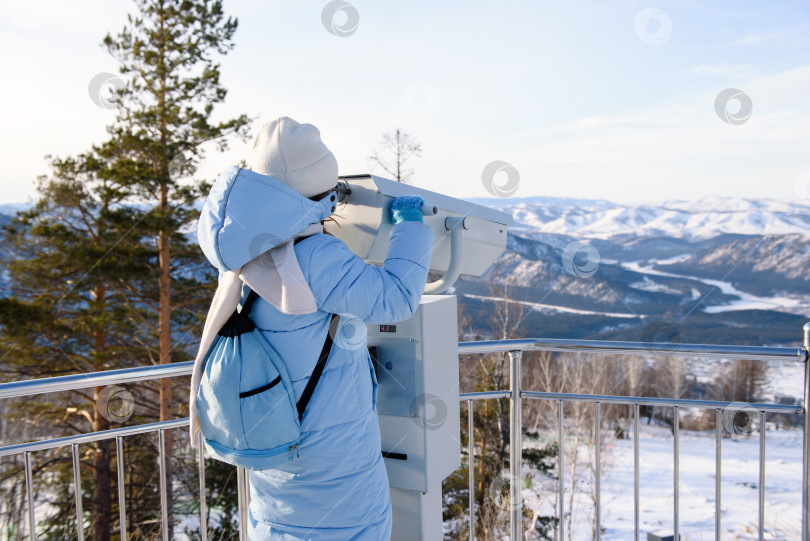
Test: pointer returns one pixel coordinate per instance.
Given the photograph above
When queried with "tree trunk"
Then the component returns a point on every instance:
(102, 495)
(165, 331)
(102, 508)
(481, 471)
(482, 463)
(164, 282)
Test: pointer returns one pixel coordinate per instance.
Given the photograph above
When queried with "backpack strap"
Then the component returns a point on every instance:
(316, 373)
(251, 298)
(239, 323)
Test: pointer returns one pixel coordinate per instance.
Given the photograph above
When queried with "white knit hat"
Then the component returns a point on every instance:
(294, 154)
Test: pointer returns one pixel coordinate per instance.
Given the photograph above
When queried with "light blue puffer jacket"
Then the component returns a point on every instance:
(338, 488)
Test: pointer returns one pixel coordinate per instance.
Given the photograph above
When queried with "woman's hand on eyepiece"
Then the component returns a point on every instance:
(407, 208)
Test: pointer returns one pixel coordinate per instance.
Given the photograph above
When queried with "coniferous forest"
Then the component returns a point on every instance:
(103, 276)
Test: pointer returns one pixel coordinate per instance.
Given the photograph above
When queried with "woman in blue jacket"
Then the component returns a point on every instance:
(336, 488)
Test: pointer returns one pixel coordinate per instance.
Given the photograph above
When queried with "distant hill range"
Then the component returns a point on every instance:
(719, 270)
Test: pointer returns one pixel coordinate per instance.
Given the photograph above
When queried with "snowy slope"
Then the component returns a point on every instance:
(699, 219)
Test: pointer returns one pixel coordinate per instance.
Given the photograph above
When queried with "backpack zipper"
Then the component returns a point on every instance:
(248, 453)
(294, 449)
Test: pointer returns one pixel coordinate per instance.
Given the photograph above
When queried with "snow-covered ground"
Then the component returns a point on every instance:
(739, 490)
(739, 487)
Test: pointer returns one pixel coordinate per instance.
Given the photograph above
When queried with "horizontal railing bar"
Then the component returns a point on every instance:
(94, 379)
(142, 373)
(635, 348)
(648, 401)
(632, 400)
(91, 437)
(486, 395)
(496, 346)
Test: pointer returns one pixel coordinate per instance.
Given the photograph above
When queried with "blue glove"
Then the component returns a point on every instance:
(407, 208)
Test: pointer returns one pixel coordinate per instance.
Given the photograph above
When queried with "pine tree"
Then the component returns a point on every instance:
(69, 313)
(104, 274)
(164, 116)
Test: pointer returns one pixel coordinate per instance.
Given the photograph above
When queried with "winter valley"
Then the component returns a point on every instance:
(716, 271)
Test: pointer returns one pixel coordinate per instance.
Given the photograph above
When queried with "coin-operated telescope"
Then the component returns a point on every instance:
(467, 237)
(416, 361)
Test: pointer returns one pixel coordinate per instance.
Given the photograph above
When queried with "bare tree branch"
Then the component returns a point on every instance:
(393, 151)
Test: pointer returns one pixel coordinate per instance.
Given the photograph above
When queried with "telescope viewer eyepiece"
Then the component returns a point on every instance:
(344, 190)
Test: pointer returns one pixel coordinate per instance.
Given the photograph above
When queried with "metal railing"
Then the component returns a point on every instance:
(515, 394)
(82, 381)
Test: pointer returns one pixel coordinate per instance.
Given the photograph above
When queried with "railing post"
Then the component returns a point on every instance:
(761, 518)
(203, 507)
(636, 464)
(598, 512)
(122, 500)
(243, 500)
(806, 439)
(560, 473)
(29, 491)
(471, 466)
(515, 447)
(77, 489)
(718, 471)
(676, 475)
(164, 505)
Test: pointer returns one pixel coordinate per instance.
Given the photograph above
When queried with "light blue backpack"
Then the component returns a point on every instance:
(246, 406)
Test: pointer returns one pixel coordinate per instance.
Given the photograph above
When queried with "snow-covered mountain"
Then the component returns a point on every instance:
(713, 271)
(699, 219)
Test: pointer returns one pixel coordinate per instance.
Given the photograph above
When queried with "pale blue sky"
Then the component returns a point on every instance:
(568, 92)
